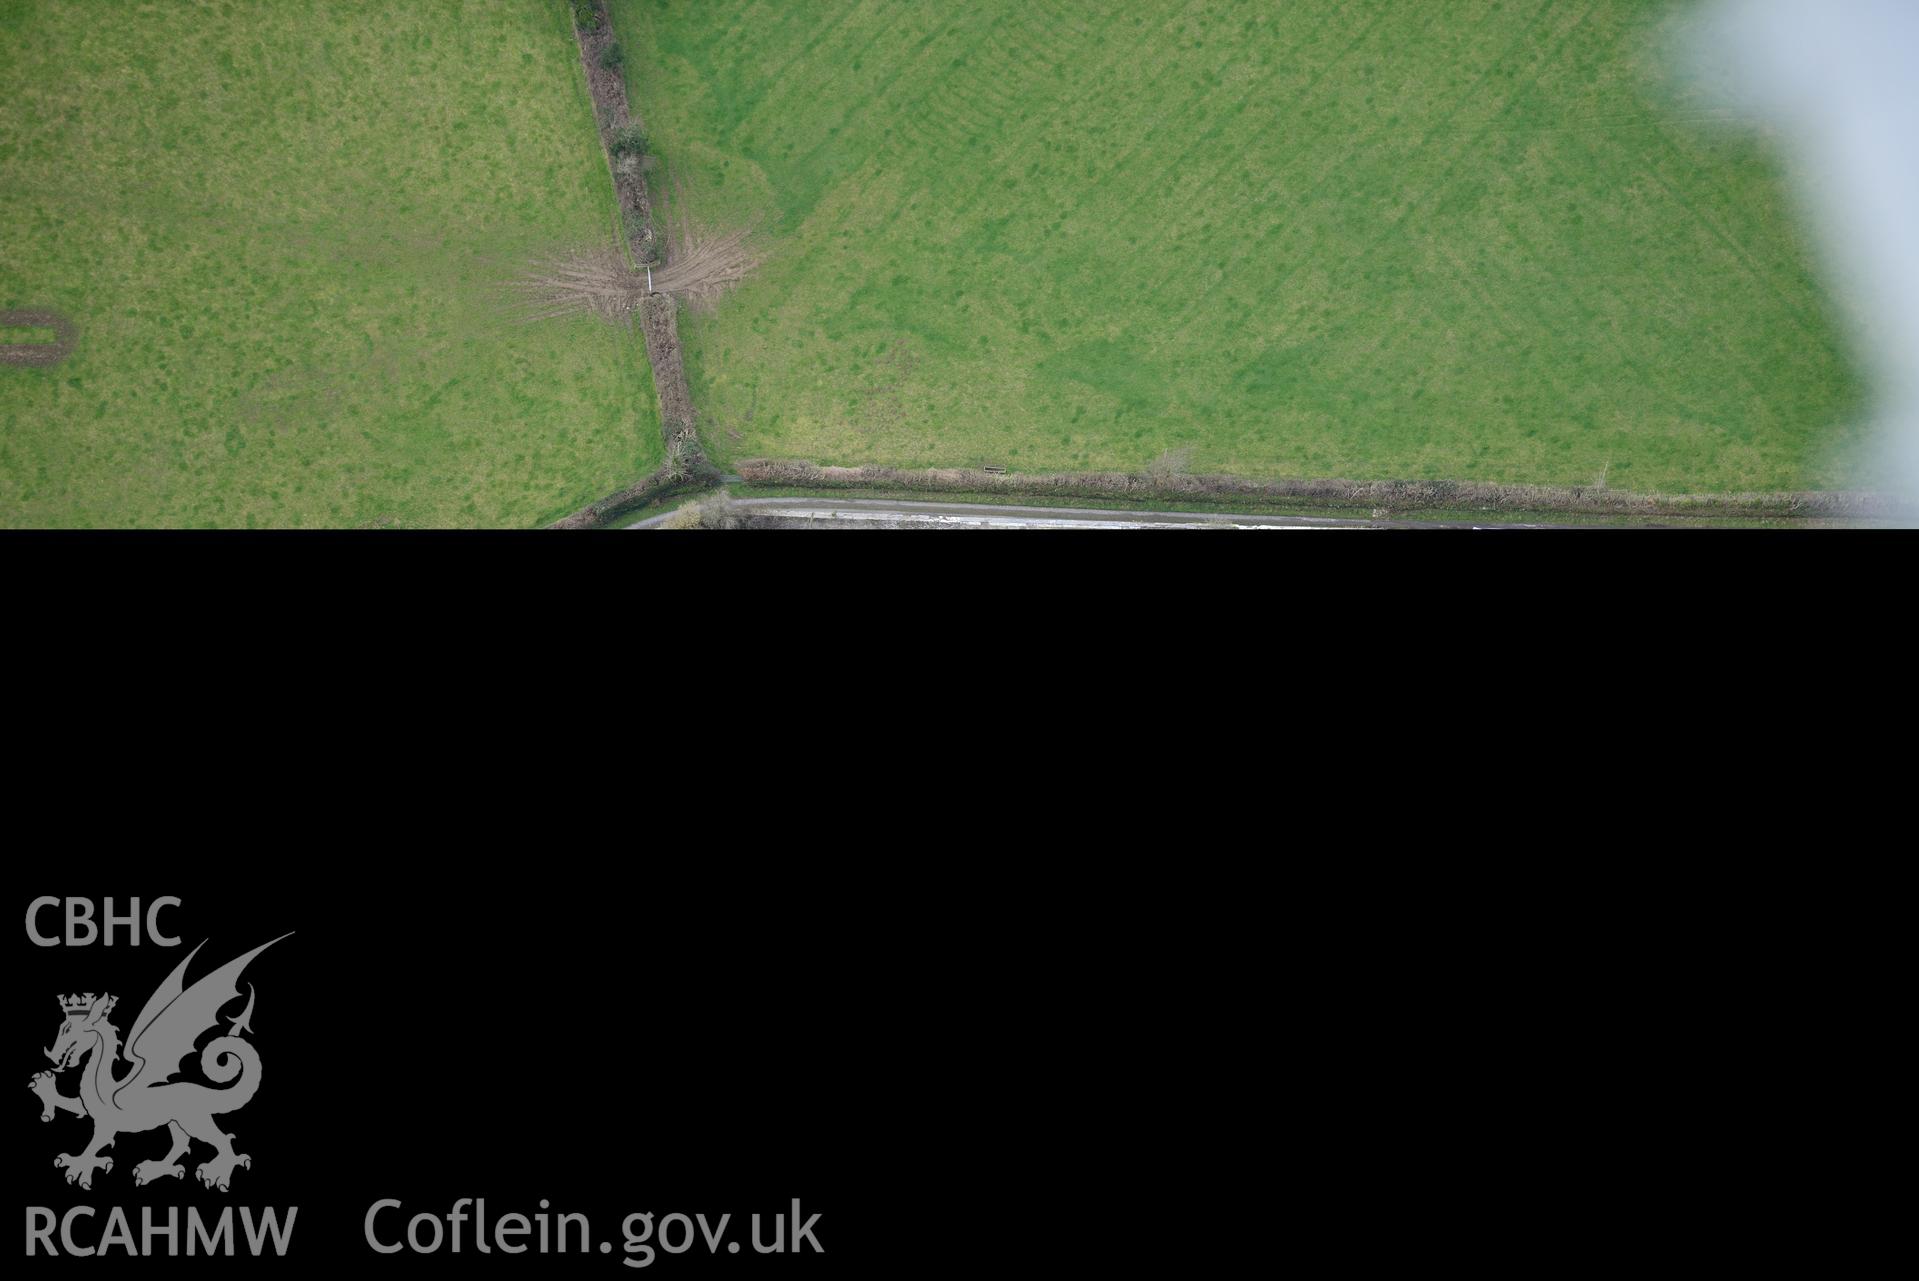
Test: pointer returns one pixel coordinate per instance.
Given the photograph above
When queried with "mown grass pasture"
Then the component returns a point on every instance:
(1471, 240)
(278, 228)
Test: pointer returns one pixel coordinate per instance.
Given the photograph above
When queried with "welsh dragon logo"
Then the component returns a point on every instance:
(147, 1098)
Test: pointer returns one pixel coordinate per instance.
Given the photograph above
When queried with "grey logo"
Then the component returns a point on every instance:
(147, 1098)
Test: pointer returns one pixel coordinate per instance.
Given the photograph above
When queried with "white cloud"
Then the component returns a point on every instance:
(1839, 80)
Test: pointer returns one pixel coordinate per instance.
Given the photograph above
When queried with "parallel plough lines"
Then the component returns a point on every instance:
(1373, 235)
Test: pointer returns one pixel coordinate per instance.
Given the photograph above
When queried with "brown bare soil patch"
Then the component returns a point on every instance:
(599, 282)
(704, 267)
(35, 355)
(581, 282)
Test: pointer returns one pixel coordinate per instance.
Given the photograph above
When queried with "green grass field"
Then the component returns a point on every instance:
(1468, 239)
(279, 226)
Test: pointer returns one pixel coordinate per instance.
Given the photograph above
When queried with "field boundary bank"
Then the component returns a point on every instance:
(659, 314)
(1387, 496)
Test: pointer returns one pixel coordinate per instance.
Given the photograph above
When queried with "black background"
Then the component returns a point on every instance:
(612, 1040)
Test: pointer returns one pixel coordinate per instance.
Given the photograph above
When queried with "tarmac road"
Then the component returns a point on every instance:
(853, 513)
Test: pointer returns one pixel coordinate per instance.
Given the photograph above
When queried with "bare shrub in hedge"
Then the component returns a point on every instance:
(630, 138)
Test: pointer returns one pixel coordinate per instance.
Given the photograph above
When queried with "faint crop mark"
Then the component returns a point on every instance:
(38, 355)
(883, 405)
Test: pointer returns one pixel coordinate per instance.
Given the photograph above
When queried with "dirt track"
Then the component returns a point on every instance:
(38, 354)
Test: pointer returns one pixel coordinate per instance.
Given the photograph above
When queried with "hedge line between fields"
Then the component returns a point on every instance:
(686, 466)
